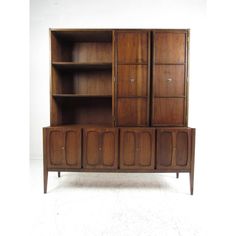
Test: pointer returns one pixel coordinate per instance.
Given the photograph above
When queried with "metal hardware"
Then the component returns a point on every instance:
(169, 79)
(131, 80)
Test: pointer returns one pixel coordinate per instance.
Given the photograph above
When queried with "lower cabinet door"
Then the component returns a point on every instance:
(137, 146)
(100, 148)
(173, 148)
(63, 148)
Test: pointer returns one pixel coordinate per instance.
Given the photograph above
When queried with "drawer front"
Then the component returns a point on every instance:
(169, 80)
(168, 111)
(132, 80)
(173, 148)
(132, 47)
(137, 147)
(169, 47)
(132, 112)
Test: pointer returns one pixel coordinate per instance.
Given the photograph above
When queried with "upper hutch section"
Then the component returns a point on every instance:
(119, 77)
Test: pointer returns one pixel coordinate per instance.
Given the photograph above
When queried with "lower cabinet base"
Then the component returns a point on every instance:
(119, 150)
(191, 174)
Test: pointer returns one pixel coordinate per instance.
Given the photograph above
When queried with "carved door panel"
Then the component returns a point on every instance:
(100, 148)
(173, 148)
(137, 148)
(64, 148)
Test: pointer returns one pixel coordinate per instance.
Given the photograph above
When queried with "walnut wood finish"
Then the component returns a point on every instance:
(132, 111)
(132, 80)
(132, 47)
(170, 47)
(169, 81)
(124, 78)
(173, 148)
(63, 147)
(168, 111)
(100, 148)
(137, 148)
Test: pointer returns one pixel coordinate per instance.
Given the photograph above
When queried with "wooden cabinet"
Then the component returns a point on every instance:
(119, 102)
(132, 47)
(63, 147)
(100, 148)
(170, 47)
(133, 78)
(173, 148)
(169, 97)
(137, 148)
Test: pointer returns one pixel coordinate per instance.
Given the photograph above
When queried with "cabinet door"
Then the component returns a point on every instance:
(109, 146)
(169, 81)
(132, 80)
(56, 147)
(137, 148)
(169, 47)
(63, 148)
(73, 148)
(173, 148)
(100, 148)
(168, 111)
(132, 47)
(132, 112)
(91, 157)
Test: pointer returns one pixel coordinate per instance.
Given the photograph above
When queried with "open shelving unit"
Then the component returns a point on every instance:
(81, 70)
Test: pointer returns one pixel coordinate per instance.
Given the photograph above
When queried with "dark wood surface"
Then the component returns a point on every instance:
(100, 148)
(137, 148)
(124, 78)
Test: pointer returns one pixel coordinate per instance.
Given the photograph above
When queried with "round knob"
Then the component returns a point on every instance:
(169, 79)
(131, 80)
(99, 148)
(62, 147)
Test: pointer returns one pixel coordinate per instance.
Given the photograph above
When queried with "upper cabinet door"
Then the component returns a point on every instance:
(132, 80)
(169, 47)
(132, 47)
(132, 112)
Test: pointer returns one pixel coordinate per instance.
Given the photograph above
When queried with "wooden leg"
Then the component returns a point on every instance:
(191, 178)
(177, 175)
(45, 180)
(59, 174)
(191, 173)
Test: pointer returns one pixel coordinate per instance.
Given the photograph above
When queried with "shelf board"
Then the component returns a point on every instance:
(78, 65)
(82, 95)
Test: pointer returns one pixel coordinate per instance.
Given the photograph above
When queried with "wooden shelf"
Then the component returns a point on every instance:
(82, 95)
(79, 65)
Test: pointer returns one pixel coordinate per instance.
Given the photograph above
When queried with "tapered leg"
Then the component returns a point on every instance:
(191, 178)
(177, 175)
(45, 180)
(191, 173)
(59, 174)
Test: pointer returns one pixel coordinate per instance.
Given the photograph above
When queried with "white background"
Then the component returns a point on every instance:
(212, 92)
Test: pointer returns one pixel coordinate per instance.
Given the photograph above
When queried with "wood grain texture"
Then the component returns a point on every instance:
(132, 80)
(132, 112)
(168, 111)
(169, 47)
(173, 148)
(169, 80)
(137, 148)
(100, 148)
(132, 47)
(63, 147)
